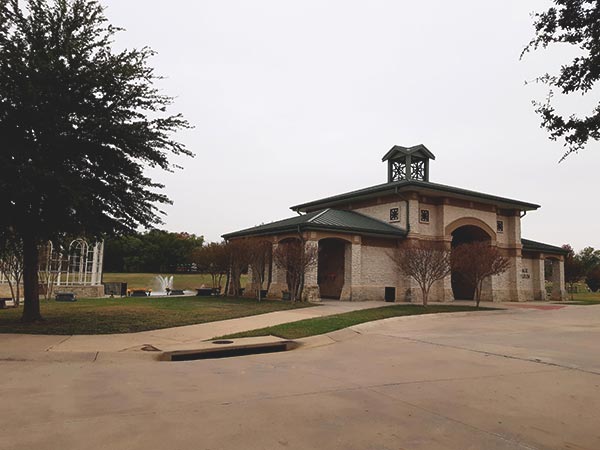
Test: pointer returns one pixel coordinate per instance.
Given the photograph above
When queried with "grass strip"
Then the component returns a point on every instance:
(327, 324)
(132, 314)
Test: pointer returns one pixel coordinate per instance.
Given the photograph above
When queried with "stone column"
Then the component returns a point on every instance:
(447, 293)
(353, 271)
(311, 285)
(249, 289)
(487, 289)
(558, 280)
(539, 279)
(346, 295)
(510, 287)
(413, 215)
(278, 281)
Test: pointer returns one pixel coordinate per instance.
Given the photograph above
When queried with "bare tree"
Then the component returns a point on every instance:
(295, 258)
(259, 256)
(237, 253)
(11, 264)
(425, 262)
(53, 257)
(48, 272)
(212, 259)
(476, 261)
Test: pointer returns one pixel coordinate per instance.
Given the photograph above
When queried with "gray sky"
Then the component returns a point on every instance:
(294, 101)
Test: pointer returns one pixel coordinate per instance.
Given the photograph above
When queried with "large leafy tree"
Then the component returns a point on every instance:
(574, 268)
(152, 251)
(590, 258)
(576, 23)
(79, 124)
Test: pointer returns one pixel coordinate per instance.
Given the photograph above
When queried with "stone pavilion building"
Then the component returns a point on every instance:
(356, 231)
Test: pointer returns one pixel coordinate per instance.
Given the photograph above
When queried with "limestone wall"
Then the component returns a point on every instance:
(79, 291)
(526, 278)
(440, 216)
(5, 291)
(377, 272)
(382, 211)
(436, 224)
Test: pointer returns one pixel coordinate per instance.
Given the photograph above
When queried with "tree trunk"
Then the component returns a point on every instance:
(12, 290)
(478, 294)
(234, 283)
(300, 289)
(31, 306)
(425, 296)
(18, 301)
(260, 283)
(228, 282)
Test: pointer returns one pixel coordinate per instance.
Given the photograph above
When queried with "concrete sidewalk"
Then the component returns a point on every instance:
(13, 344)
(90, 347)
(516, 379)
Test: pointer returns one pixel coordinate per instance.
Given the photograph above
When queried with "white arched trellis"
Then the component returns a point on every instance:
(82, 264)
(79, 264)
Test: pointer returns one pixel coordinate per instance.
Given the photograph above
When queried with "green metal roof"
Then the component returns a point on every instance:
(325, 220)
(534, 246)
(413, 185)
(415, 149)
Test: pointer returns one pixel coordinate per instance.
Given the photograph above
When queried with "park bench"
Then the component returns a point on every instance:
(65, 297)
(176, 292)
(3, 302)
(204, 292)
(139, 293)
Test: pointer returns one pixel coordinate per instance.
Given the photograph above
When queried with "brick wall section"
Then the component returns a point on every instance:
(369, 270)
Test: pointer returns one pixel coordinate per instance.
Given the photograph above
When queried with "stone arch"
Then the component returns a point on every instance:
(341, 237)
(470, 221)
(464, 232)
(553, 271)
(331, 268)
(283, 239)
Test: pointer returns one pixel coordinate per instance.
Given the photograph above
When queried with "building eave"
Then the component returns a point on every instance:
(316, 227)
(540, 247)
(417, 186)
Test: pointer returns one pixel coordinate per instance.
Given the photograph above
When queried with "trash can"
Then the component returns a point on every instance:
(390, 294)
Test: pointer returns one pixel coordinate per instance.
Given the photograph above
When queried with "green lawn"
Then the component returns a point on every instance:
(189, 281)
(127, 315)
(585, 298)
(321, 325)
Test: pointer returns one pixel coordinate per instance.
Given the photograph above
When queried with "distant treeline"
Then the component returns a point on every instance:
(584, 265)
(153, 251)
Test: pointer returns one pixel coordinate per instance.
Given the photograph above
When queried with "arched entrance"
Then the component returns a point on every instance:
(553, 277)
(331, 267)
(461, 289)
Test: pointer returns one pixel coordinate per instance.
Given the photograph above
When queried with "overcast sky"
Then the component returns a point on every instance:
(295, 101)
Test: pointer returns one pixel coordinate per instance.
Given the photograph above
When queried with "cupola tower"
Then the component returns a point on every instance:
(408, 163)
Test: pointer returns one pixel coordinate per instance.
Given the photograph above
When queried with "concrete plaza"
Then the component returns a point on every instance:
(515, 379)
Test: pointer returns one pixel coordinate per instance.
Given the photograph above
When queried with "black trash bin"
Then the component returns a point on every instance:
(390, 294)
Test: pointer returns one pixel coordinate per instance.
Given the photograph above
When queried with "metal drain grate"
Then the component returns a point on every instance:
(232, 351)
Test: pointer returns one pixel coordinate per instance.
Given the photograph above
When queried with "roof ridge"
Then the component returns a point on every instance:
(407, 184)
(315, 217)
